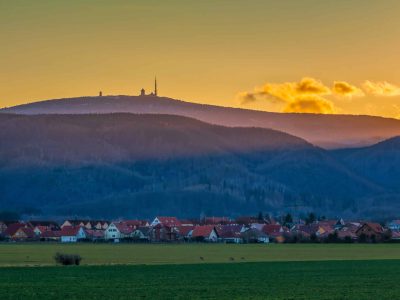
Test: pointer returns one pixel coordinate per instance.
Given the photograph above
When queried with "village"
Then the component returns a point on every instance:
(208, 229)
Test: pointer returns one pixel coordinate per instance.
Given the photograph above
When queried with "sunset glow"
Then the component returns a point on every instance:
(249, 54)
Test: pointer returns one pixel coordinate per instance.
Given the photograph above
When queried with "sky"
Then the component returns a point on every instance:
(339, 56)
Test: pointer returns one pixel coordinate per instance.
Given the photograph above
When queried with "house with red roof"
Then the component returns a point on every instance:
(166, 221)
(39, 230)
(94, 234)
(230, 233)
(275, 232)
(164, 229)
(206, 233)
(12, 229)
(88, 224)
(185, 232)
(74, 223)
(23, 234)
(98, 225)
(164, 233)
(72, 234)
(274, 229)
(187, 222)
(395, 235)
(302, 231)
(4, 225)
(119, 230)
(49, 225)
(324, 230)
(346, 233)
(370, 231)
(51, 235)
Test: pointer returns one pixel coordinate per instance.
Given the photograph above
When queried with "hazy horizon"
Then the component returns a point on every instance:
(193, 102)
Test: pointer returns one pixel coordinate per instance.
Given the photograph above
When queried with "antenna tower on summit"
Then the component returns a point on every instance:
(155, 86)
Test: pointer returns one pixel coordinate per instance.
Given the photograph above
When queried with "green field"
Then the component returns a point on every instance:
(271, 280)
(111, 254)
(162, 271)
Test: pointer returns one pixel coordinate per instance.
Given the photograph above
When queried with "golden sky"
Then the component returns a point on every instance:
(273, 52)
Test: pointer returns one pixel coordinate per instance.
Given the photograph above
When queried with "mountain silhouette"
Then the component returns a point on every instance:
(328, 131)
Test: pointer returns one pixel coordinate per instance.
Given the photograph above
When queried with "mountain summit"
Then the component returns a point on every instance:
(328, 131)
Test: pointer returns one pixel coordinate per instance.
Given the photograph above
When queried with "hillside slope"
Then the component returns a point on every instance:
(328, 131)
(130, 165)
(80, 139)
(379, 162)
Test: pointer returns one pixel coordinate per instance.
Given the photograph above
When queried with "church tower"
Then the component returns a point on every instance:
(155, 86)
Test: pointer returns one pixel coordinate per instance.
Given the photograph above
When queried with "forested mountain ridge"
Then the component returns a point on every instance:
(111, 165)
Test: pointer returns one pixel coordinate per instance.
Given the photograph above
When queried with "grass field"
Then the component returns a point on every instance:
(109, 254)
(269, 280)
(162, 271)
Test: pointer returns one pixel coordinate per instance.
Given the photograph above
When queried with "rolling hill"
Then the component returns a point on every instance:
(328, 131)
(132, 165)
(379, 162)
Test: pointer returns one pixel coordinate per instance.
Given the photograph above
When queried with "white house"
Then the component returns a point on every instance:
(394, 225)
(116, 231)
(112, 232)
(72, 234)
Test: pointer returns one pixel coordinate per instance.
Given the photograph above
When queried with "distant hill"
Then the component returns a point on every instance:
(112, 138)
(328, 131)
(379, 162)
(131, 165)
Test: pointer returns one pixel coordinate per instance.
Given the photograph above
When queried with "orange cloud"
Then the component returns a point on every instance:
(342, 88)
(381, 88)
(310, 104)
(311, 86)
(289, 91)
(304, 96)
